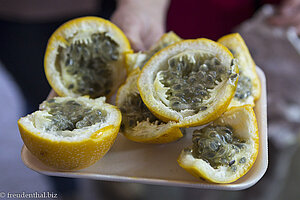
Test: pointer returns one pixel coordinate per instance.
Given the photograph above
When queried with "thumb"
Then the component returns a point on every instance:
(136, 43)
(135, 39)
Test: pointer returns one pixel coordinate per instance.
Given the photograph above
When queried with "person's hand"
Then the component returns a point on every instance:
(142, 21)
(288, 14)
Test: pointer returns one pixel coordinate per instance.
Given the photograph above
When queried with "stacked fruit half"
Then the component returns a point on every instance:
(198, 82)
(84, 64)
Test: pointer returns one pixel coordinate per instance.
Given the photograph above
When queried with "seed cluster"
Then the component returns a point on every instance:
(244, 87)
(190, 82)
(72, 115)
(217, 146)
(134, 110)
(88, 65)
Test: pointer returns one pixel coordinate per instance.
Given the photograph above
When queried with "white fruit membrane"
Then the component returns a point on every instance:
(37, 121)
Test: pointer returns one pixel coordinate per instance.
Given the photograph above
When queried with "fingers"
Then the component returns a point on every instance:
(142, 34)
(289, 6)
(152, 36)
(141, 21)
(297, 27)
(284, 20)
(288, 14)
(131, 27)
(133, 32)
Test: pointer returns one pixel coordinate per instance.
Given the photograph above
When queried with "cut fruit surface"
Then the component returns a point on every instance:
(138, 60)
(138, 123)
(248, 87)
(70, 133)
(191, 82)
(86, 56)
(225, 150)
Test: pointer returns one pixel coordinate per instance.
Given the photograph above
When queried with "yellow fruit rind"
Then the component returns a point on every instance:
(199, 172)
(171, 134)
(65, 155)
(156, 110)
(235, 42)
(155, 134)
(71, 155)
(58, 38)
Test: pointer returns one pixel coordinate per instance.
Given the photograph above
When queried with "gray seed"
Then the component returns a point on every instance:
(192, 79)
(202, 108)
(214, 145)
(213, 134)
(177, 87)
(242, 160)
(216, 61)
(71, 86)
(204, 67)
(172, 64)
(176, 104)
(210, 154)
(228, 138)
(221, 152)
(241, 146)
(233, 168)
(231, 162)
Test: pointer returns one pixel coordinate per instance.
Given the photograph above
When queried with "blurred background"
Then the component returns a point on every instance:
(270, 29)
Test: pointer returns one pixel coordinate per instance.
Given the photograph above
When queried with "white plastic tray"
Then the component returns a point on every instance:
(128, 161)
